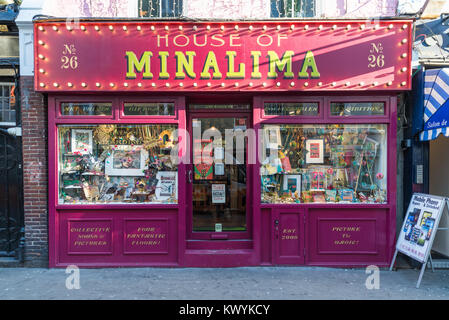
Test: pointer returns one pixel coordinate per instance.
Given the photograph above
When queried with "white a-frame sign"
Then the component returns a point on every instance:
(419, 229)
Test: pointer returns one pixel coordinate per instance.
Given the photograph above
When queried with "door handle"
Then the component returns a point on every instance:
(189, 176)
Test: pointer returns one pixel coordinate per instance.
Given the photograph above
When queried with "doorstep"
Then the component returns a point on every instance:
(220, 258)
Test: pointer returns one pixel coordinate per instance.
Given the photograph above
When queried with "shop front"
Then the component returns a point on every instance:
(219, 144)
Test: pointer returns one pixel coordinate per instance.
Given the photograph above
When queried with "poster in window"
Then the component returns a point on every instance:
(292, 183)
(81, 141)
(218, 193)
(167, 185)
(315, 151)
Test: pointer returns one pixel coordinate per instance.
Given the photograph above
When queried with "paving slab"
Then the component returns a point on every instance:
(223, 283)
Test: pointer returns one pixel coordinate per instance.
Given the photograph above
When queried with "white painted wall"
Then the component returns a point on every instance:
(439, 185)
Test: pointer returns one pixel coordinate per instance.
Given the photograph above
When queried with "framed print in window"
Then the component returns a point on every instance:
(292, 183)
(81, 141)
(126, 160)
(315, 151)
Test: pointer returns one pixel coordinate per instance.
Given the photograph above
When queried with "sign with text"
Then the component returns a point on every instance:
(420, 226)
(224, 56)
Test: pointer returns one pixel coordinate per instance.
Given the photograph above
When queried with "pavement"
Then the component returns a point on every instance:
(249, 283)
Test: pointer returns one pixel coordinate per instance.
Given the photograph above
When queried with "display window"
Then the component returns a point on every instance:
(110, 163)
(101, 158)
(326, 163)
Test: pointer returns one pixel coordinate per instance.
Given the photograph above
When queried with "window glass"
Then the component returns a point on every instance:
(291, 109)
(160, 8)
(7, 104)
(149, 109)
(86, 109)
(220, 106)
(117, 164)
(292, 8)
(357, 109)
(324, 163)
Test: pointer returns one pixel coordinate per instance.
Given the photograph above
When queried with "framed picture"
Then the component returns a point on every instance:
(272, 137)
(292, 183)
(315, 151)
(126, 160)
(82, 141)
(167, 185)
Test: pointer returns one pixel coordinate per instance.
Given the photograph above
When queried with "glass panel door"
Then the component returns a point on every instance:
(219, 184)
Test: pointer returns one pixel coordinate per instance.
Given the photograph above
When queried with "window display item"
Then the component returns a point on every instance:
(315, 151)
(319, 197)
(81, 141)
(343, 162)
(166, 187)
(203, 171)
(219, 169)
(346, 195)
(115, 164)
(331, 195)
(292, 183)
(126, 160)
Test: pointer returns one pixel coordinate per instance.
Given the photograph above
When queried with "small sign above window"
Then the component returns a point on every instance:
(86, 109)
(291, 109)
(345, 109)
(149, 109)
(220, 106)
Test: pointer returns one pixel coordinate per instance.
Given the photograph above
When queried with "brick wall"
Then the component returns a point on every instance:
(35, 179)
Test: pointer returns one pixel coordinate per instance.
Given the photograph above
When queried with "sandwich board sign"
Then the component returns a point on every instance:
(419, 229)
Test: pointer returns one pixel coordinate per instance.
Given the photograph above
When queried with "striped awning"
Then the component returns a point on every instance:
(436, 104)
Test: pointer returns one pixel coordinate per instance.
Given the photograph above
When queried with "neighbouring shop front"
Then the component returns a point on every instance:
(214, 144)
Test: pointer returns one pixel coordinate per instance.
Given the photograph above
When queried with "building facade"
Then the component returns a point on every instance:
(11, 199)
(126, 157)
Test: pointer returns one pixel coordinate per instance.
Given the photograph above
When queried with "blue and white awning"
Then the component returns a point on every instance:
(436, 104)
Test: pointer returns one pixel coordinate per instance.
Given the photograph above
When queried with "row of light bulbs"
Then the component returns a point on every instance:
(236, 84)
(236, 27)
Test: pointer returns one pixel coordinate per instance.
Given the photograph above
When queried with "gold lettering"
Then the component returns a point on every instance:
(219, 39)
(159, 39)
(183, 65)
(233, 37)
(200, 45)
(281, 37)
(181, 45)
(270, 40)
(142, 64)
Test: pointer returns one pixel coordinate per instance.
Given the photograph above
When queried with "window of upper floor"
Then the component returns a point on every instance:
(293, 8)
(160, 8)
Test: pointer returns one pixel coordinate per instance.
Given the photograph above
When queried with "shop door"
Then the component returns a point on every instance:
(218, 178)
(289, 237)
(11, 199)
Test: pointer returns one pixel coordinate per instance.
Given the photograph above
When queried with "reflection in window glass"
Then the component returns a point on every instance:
(116, 164)
(324, 163)
(149, 109)
(357, 109)
(86, 109)
(160, 8)
(291, 109)
(7, 103)
(292, 8)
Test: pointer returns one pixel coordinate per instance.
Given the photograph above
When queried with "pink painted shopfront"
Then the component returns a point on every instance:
(220, 144)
